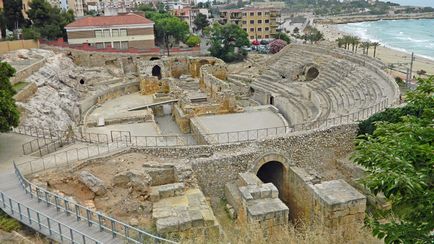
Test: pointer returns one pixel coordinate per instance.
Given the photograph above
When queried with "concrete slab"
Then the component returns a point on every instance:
(249, 120)
(136, 129)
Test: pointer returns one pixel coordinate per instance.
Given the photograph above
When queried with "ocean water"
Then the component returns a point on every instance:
(405, 35)
(421, 3)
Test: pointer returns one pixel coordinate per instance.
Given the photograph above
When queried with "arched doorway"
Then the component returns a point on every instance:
(154, 58)
(311, 73)
(156, 71)
(273, 172)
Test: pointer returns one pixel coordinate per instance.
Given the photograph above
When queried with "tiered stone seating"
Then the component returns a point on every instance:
(346, 83)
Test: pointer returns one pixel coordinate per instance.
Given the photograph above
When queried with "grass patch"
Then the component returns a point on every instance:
(8, 223)
(20, 85)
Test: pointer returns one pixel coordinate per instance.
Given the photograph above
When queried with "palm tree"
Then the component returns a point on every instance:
(347, 41)
(375, 45)
(363, 46)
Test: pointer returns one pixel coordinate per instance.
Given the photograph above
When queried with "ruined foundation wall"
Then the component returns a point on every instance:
(21, 75)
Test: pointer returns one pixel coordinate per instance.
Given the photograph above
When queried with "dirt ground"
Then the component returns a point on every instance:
(124, 202)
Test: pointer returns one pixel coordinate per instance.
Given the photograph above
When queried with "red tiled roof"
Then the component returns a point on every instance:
(104, 21)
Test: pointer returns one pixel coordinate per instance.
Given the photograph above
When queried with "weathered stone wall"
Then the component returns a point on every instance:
(26, 92)
(21, 75)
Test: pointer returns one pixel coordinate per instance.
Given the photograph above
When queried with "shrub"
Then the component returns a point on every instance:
(399, 80)
(7, 223)
(277, 45)
(31, 34)
(192, 41)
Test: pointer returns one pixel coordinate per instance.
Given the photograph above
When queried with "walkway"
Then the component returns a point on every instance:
(46, 220)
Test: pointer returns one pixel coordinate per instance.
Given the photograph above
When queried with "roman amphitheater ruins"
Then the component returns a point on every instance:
(133, 148)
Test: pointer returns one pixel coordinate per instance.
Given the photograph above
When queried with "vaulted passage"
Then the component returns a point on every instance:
(312, 73)
(272, 172)
(156, 71)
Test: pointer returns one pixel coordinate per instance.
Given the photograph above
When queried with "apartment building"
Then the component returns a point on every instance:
(259, 23)
(123, 31)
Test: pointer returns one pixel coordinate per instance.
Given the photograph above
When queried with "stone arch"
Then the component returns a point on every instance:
(203, 61)
(311, 73)
(156, 71)
(154, 58)
(82, 81)
(277, 165)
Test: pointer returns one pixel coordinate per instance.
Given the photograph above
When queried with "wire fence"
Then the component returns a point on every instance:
(43, 223)
(81, 213)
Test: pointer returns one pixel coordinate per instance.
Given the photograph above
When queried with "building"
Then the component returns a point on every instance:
(124, 31)
(259, 23)
(75, 5)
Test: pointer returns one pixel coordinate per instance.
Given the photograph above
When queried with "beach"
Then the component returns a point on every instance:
(400, 60)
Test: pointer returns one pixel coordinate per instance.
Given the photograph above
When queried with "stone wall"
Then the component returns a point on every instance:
(28, 91)
(8, 46)
(22, 74)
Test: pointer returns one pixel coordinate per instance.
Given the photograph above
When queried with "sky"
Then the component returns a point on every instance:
(423, 3)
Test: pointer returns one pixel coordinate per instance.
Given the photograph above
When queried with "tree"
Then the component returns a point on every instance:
(170, 30)
(375, 45)
(226, 42)
(9, 115)
(283, 36)
(13, 14)
(31, 34)
(49, 21)
(399, 162)
(312, 34)
(277, 45)
(192, 40)
(201, 21)
(3, 21)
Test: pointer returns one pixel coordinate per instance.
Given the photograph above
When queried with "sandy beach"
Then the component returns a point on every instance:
(400, 60)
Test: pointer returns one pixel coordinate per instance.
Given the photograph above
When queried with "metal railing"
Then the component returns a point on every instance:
(43, 223)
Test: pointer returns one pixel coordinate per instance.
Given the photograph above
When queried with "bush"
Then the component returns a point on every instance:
(31, 34)
(192, 41)
(7, 223)
(283, 36)
(399, 80)
(391, 115)
(277, 45)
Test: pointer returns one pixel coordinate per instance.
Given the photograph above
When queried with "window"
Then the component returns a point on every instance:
(107, 44)
(99, 45)
(252, 29)
(244, 22)
(267, 13)
(116, 45)
(252, 37)
(267, 21)
(259, 21)
(244, 14)
(259, 13)
(106, 33)
(123, 32)
(267, 36)
(124, 45)
(259, 29)
(259, 36)
(245, 29)
(115, 32)
(252, 13)
(252, 22)
(98, 34)
(267, 29)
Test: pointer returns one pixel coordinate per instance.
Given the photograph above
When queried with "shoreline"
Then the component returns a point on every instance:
(389, 55)
(346, 19)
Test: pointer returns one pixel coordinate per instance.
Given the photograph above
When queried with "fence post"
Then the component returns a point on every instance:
(88, 217)
(19, 211)
(39, 219)
(66, 203)
(113, 228)
(10, 205)
(72, 236)
(49, 226)
(99, 222)
(3, 200)
(28, 215)
(56, 202)
(46, 198)
(60, 231)
(77, 212)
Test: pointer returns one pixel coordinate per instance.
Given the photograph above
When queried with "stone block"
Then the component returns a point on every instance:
(169, 224)
(196, 218)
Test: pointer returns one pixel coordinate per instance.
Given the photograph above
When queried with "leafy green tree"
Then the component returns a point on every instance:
(9, 115)
(13, 14)
(31, 34)
(201, 21)
(399, 162)
(49, 21)
(170, 30)
(226, 41)
(192, 40)
(283, 36)
(2, 23)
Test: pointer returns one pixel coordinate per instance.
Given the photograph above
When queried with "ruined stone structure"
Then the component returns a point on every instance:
(268, 138)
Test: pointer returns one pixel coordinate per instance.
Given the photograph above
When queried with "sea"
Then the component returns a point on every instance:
(404, 35)
(420, 3)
